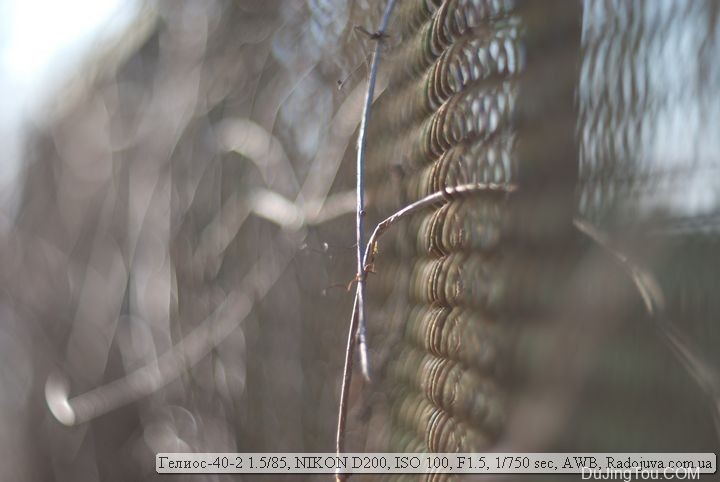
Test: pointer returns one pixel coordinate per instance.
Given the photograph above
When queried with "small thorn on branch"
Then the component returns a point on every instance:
(377, 35)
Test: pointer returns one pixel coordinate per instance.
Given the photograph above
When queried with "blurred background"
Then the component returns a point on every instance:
(177, 232)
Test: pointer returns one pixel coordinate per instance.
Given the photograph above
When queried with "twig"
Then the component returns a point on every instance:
(360, 187)
(358, 316)
(346, 380)
(652, 295)
(464, 189)
(367, 261)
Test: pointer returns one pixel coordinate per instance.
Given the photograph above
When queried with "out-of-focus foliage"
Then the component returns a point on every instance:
(142, 217)
(193, 206)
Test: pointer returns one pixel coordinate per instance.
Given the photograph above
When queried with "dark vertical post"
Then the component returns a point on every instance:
(546, 118)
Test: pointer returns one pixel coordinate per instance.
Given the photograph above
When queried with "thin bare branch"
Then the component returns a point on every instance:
(346, 381)
(432, 199)
(359, 307)
(367, 261)
(360, 187)
(371, 248)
